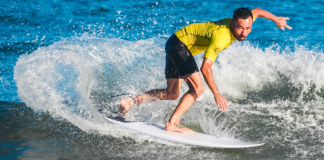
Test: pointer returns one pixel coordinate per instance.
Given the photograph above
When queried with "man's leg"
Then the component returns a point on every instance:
(170, 93)
(196, 89)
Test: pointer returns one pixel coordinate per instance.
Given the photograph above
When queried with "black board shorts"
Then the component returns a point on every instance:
(179, 61)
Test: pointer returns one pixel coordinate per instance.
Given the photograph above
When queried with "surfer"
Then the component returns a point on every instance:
(208, 37)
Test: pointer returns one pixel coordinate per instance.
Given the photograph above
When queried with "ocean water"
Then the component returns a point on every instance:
(62, 60)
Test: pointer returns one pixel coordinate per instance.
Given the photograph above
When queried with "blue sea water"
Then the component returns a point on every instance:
(62, 60)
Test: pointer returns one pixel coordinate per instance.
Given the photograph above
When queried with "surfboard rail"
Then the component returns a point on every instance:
(196, 139)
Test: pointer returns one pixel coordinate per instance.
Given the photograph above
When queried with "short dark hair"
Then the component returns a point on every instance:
(243, 13)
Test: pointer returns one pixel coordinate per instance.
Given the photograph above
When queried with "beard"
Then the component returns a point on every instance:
(240, 37)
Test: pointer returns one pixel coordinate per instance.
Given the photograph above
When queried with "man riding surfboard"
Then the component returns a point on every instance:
(208, 37)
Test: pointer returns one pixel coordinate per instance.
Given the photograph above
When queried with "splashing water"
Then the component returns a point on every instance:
(273, 95)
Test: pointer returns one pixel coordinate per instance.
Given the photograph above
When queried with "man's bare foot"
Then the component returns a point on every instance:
(177, 128)
(125, 105)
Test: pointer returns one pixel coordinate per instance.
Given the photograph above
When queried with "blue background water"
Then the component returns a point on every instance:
(29, 25)
(61, 60)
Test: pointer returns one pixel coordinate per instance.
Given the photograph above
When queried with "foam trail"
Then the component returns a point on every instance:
(60, 78)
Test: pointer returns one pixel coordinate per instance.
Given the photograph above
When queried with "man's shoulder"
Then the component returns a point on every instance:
(221, 27)
(225, 21)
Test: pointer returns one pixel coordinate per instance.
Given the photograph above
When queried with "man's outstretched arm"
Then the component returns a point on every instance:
(280, 21)
(208, 75)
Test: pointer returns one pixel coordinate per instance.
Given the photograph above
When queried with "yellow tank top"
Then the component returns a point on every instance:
(208, 37)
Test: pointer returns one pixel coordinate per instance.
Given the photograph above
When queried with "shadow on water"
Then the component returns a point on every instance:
(284, 90)
(27, 134)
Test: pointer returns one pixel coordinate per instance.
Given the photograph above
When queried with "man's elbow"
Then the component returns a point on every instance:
(256, 11)
(206, 66)
(204, 69)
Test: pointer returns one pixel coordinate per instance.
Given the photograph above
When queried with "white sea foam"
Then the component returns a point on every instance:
(74, 77)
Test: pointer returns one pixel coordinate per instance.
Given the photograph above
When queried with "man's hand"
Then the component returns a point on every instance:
(208, 75)
(221, 102)
(282, 23)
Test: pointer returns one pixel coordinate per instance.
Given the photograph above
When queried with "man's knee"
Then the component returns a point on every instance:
(173, 95)
(200, 90)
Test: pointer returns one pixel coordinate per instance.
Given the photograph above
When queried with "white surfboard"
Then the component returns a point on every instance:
(195, 139)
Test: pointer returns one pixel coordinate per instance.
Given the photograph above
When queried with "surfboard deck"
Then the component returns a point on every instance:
(196, 139)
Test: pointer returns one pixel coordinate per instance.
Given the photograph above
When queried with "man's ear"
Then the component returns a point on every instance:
(232, 23)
